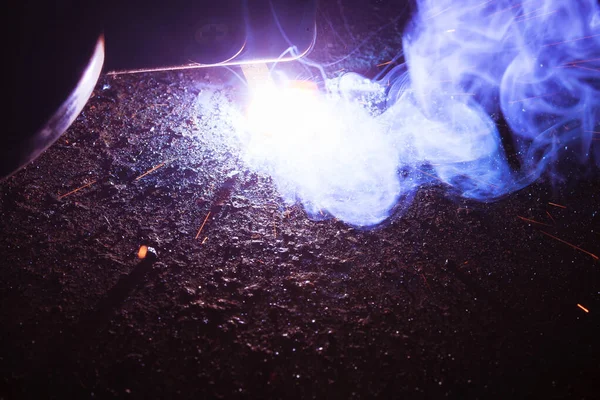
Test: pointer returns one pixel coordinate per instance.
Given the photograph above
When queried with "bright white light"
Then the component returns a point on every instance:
(322, 149)
(290, 119)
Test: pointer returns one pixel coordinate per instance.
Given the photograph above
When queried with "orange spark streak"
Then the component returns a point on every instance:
(583, 308)
(557, 205)
(532, 221)
(582, 61)
(76, 190)
(595, 257)
(572, 40)
(579, 67)
(550, 215)
(202, 226)
(385, 63)
(427, 283)
(149, 171)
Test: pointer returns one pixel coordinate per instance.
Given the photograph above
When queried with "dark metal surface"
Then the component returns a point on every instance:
(48, 51)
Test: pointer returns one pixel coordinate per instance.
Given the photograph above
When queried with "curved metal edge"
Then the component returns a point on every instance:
(231, 62)
(68, 111)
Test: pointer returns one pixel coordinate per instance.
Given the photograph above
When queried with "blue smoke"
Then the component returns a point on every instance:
(536, 63)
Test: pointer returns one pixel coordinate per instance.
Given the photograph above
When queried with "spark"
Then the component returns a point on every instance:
(202, 226)
(583, 308)
(529, 13)
(205, 239)
(579, 67)
(557, 205)
(572, 40)
(482, 4)
(532, 221)
(595, 257)
(451, 30)
(582, 61)
(550, 215)
(535, 16)
(385, 63)
(426, 283)
(576, 64)
(439, 13)
(432, 176)
(530, 98)
(149, 171)
(504, 10)
(77, 190)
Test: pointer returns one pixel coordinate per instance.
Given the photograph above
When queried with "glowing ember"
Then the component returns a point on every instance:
(583, 308)
(142, 252)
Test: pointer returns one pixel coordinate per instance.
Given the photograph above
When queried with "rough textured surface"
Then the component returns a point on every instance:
(453, 299)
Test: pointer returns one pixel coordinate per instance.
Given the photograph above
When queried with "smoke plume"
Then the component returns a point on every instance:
(469, 64)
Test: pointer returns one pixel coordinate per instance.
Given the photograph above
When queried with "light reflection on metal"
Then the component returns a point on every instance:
(64, 116)
(235, 60)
